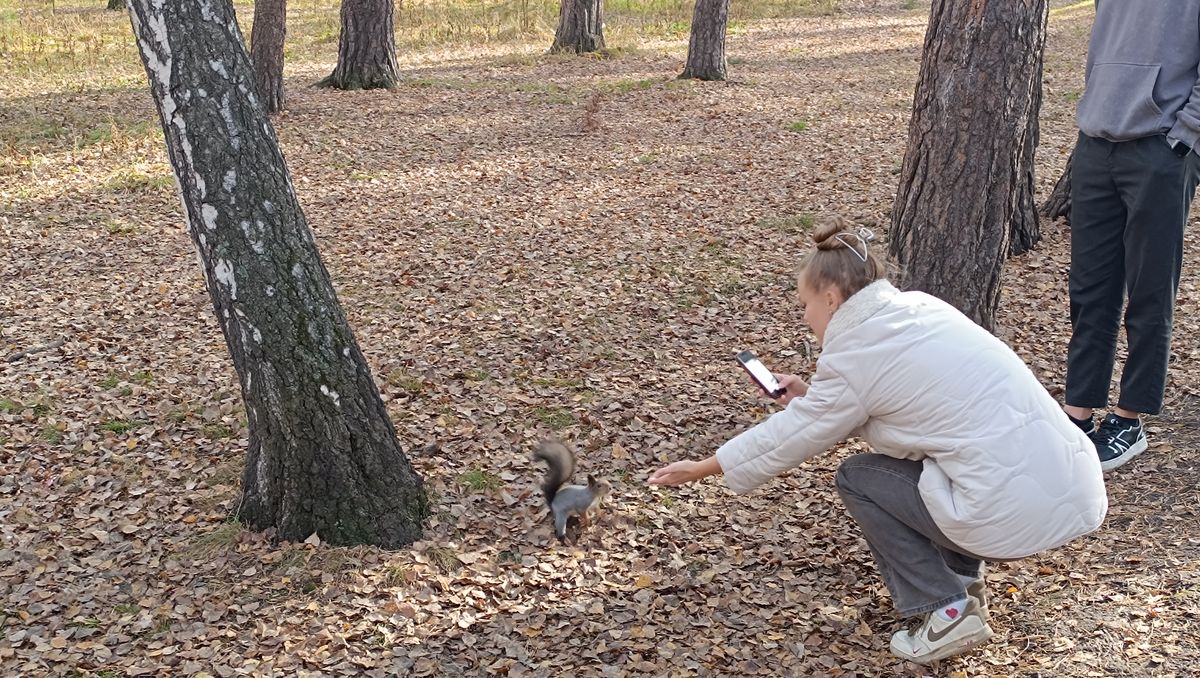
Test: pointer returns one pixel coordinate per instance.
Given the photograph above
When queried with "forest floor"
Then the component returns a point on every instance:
(525, 245)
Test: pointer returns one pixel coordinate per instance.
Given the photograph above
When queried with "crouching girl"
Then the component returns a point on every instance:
(973, 459)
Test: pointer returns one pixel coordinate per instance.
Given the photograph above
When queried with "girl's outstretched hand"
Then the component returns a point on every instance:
(685, 471)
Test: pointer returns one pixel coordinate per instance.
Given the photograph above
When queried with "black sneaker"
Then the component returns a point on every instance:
(1117, 442)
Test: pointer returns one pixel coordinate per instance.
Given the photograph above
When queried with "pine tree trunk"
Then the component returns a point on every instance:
(1026, 228)
(706, 48)
(366, 47)
(266, 51)
(117, 5)
(1058, 205)
(323, 456)
(580, 27)
(967, 142)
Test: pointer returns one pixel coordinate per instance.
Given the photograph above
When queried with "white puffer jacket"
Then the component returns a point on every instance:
(1006, 474)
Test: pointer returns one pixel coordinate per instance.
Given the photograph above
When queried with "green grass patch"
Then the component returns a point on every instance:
(115, 226)
(791, 224)
(221, 539)
(480, 480)
(110, 381)
(9, 406)
(137, 180)
(405, 381)
(215, 431)
(125, 609)
(52, 434)
(557, 418)
(798, 125)
(118, 426)
(629, 85)
(443, 559)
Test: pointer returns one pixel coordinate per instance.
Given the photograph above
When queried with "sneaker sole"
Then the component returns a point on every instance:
(1134, 450)
(966, 643)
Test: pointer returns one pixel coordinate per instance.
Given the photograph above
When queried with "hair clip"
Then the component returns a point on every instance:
(864, 236)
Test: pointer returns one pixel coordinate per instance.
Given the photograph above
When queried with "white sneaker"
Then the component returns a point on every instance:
(937, 638)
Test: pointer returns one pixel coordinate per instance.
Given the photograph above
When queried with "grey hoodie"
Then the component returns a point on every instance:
(1143, 71)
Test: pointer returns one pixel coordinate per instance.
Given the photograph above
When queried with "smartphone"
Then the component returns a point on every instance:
(760, 374)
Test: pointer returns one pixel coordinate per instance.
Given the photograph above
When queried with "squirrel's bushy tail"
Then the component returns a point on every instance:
(560, 462)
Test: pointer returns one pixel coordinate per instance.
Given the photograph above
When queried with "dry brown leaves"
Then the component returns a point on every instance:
(514, 267)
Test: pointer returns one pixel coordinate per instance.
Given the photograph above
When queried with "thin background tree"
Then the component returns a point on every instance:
(366, 46)
(266, 51)
(706, 46)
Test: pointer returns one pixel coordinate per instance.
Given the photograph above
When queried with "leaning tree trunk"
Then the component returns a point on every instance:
(580, 27)
(366, 47)
(1026, 230)
(323, 456)
(706, 48)
(963, 167)
(117, 4)
(266, 51)
(1058, 205)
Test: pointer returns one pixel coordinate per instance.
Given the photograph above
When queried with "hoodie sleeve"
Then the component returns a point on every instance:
(1187, 121)
(805, 428)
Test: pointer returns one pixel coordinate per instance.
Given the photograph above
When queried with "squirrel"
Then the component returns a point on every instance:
(567, 502)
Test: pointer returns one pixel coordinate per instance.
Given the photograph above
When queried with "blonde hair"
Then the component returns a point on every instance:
(842, 257)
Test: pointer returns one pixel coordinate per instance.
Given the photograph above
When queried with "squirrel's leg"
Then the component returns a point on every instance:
(560, 527)
(583, 519)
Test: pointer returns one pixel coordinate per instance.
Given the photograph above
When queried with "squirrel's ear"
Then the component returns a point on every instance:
(591, 479)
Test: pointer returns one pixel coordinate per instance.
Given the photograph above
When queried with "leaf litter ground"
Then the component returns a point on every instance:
(526, 245)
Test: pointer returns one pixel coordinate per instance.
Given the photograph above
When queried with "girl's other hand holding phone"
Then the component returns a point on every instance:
(795, 388)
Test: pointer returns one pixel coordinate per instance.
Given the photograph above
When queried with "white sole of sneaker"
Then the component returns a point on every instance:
(964, 644)
(1134, 450)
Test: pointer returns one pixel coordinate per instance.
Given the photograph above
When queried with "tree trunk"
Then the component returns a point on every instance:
(366, 47)
(323, 456)
(580, 27)
(706, 48)
(266, 51)
(1058, 205)
(1026, 228)
(117, 5)
(967, 141)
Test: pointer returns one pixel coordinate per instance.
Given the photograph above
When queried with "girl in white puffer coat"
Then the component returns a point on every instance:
(974, 459)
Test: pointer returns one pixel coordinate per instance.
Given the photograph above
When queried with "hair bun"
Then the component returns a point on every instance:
(825, 236)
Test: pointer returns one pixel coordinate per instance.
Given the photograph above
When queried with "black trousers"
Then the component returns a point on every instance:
(1129, 205)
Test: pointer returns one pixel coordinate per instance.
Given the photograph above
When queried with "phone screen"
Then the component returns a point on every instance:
(760, 372)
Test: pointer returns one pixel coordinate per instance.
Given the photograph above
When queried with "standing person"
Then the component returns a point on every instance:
(975, 460)
(1132, 182)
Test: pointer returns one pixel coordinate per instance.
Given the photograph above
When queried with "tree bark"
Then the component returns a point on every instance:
(323, 456)
(117, 5)
(1058, 205)
(706, 48)
(1026, 229)
(580, 27)
(266, 51)
(967, 141)
(366, 47)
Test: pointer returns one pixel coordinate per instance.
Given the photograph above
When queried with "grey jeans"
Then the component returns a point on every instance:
(919, 564)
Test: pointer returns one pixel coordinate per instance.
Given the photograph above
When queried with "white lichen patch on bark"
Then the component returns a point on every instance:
(208, 215)
(223, 271)
(235, 132)
(230, 181)
(254, 236)
(331, 394)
